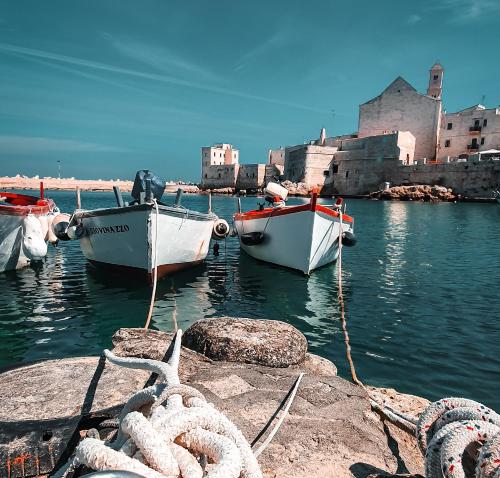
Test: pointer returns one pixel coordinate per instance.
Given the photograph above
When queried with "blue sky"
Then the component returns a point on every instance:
(112, 86)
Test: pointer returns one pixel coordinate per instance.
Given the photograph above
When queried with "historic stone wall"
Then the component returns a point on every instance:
(401, 108)
(308, 163)
(251, 176)
(469, 178)
(220, 176)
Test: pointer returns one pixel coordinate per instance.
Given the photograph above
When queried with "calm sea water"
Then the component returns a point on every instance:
(422, 292)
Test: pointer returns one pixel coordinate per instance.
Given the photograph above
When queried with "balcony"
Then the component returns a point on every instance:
(473, 130)
(472, 148)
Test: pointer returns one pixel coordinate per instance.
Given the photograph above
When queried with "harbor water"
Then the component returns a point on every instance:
(421, 287)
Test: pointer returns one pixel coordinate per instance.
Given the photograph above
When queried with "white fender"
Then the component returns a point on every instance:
(34, 245)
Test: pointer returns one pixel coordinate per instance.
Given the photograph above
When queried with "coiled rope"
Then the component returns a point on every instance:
(165, 430)
(446, 428)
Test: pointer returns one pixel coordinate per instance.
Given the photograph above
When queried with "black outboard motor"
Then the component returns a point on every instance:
(157, 186)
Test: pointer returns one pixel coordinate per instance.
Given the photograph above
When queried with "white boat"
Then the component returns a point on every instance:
(25, 228)
(303, 237)
(140, 237)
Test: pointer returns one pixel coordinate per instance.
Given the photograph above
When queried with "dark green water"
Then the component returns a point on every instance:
(422, 291)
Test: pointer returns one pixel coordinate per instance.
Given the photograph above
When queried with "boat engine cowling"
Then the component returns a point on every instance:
(60, 225)
(273, 190)
(220, 229)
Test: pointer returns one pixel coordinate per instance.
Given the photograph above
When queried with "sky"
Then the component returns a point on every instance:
(106, 87)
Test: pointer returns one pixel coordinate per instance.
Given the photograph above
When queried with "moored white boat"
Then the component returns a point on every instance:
(303, 237)
(144, 236)
(25, 228)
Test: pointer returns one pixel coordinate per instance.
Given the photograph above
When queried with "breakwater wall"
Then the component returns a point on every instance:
(474, 179)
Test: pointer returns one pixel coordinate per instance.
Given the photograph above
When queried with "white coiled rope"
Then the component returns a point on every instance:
(169, 430)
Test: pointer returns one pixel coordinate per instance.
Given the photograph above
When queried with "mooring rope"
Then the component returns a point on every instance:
(446, 428)
(155, 268)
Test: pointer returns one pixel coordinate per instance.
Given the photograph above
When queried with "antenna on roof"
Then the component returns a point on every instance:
(483, 99)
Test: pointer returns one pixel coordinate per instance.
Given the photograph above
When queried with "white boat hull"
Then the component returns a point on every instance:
(126, 237)
(299, 237)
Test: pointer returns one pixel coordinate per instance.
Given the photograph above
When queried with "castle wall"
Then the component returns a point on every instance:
(251, 176)
(469, 178)
(220, 176)
(308, 163)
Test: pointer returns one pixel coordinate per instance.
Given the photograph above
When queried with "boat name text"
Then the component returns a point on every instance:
(108, 229)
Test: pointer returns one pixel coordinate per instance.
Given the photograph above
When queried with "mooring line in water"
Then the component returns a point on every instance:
(392, 416)
(155, 269)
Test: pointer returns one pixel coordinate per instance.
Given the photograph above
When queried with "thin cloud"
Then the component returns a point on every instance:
(160, 58)
(35, 144)
(30, 52)
(414, 19)
(467, 11)
(277, 40)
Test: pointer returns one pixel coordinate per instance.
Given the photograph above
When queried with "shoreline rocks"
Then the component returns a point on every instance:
(330, 431)
(415, 193)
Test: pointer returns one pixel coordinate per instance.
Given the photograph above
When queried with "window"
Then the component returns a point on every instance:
(485, 122)
(436, 77)
(219, 175)
(205, 154)
(482, 140)
(335, 168)
(206, 176)
(326, 173)
(347, 174)
(447, 143)
(476, 122)
(214, 154)
(450, 126)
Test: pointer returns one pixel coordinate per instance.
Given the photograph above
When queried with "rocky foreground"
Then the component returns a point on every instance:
(245, 368)
(416, 193)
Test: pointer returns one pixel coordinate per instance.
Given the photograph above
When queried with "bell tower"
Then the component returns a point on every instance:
(435, 81)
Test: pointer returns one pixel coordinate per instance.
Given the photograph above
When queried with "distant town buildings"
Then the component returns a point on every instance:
(403, 137)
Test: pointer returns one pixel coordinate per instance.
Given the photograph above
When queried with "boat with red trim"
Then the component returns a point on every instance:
(25, 228)
(303, 237)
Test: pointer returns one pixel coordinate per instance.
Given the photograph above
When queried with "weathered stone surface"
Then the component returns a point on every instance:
(265, 342)
(318, 365)
(296, 189)
(330, 431)
(416, 193)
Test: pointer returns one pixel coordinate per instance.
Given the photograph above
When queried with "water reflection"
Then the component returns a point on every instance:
(419, 291)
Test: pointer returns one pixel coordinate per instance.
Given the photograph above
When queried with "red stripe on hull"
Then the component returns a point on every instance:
(274, 212)
(22, 205)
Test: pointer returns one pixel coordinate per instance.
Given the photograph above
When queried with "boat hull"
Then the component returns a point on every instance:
(299, 237)
(125, 238)
(16, 211)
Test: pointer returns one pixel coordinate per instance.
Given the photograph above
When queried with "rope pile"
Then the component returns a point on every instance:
(168, 430)
(448, 428)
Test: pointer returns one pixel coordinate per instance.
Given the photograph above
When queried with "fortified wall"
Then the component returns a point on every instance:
(471, 178)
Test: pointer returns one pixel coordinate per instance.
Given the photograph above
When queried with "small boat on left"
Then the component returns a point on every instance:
(25, 228)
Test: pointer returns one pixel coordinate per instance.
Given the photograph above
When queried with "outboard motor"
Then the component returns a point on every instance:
(220, 230)
(275, 194)
(140, 190)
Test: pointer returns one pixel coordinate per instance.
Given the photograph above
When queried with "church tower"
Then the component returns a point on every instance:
(435, 81)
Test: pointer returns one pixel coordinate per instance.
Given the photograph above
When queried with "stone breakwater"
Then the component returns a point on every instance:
(70, 184)
(416, 193)
(331, 430)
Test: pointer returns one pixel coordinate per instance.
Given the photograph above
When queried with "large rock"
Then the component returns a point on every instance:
(329, 432)
(264, 342)
(422, 192)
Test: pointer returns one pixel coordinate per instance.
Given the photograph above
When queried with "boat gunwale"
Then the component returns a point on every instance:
(25, 210)
(162, 209)
(283, 211)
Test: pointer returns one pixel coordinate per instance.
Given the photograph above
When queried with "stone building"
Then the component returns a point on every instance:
(213, 157)
(469, 131)
(400, 107)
